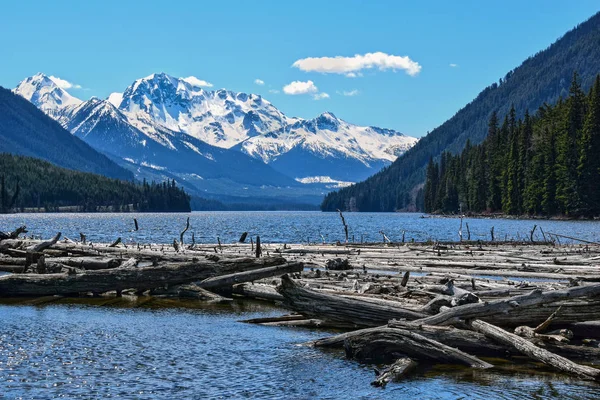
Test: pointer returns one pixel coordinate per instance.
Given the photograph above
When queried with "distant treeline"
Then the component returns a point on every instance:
(547, 164)
(27, 183)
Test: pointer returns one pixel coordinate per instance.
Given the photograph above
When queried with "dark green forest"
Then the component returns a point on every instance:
(27, 182)
(545, 164)
(542, 78)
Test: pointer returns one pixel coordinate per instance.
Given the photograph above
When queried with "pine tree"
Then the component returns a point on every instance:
(493, 145)
(567, 154)
(589, 160)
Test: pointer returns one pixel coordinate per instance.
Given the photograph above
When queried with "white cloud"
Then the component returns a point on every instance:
(299, 87)
(115, 99)
(64, 84)
(192, 80)
(353, 75)
(274, 91)
(321, 96)
(259, 82)
(353, 92)
(350, 66)
(453, 65)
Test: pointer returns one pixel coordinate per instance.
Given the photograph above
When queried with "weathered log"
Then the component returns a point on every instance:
(101, 281)
(469, 341)
(257, 291)
(507, 306)
(392, 342)
(339, 309)
(249, 276)
(394, 372)
(527, 348)
(36, 248)
(190, 291)
(87, 262)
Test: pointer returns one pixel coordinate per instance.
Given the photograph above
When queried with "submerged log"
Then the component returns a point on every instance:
(393, 342)
(101, 281)
(529, 349)
(394, 372)
(339, 309)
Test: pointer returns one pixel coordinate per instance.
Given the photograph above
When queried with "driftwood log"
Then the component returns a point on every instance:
(527, 348)
(118, 279)
(339, 309)
(393, 342)
(508, 306)
(249, 276)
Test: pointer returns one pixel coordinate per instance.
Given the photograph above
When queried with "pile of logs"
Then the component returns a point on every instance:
(546, 306)
(400, 304)
(66, 268)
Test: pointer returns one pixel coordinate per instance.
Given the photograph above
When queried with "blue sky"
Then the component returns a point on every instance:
(105, 45)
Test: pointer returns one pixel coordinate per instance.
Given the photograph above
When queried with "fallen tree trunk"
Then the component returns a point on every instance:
(118, 279)
(527, 348)
(249, 276)
(507, 306)
(468, 341)
(339, 309)
(392, 342)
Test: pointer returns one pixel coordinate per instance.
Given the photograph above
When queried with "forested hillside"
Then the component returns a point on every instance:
(28, 131)
(544, 164)
(31, 183)
(541, 79)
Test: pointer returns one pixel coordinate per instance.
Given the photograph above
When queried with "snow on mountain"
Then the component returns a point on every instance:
(252, 125)
(221, 118)
(163, 121)
(45, 93)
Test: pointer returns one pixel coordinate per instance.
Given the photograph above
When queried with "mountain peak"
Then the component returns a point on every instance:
(44, 92)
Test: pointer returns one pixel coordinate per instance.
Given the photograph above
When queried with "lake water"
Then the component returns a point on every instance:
(203, 352)
(286, 227)
(99, 348)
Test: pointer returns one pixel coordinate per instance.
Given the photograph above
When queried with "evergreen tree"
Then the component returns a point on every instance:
(589, 160)
(567, 154)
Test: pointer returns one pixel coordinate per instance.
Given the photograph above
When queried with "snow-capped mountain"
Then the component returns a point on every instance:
(45, 94)
(252, 125)
(163, 123)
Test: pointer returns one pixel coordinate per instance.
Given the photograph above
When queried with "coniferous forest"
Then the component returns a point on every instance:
(30, 183)
(543, 164)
